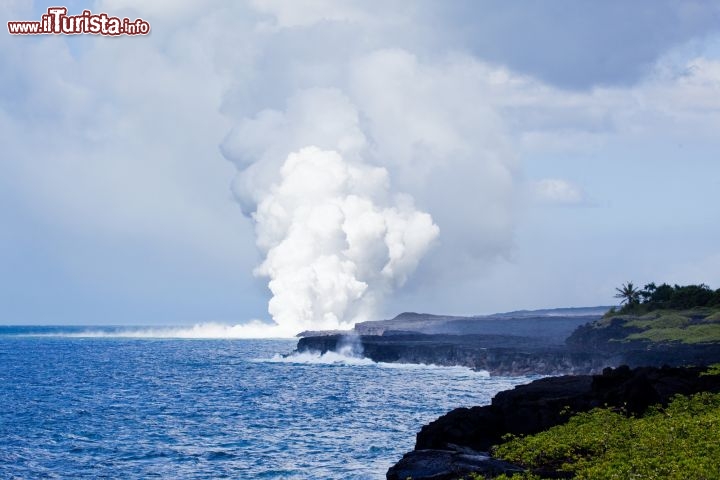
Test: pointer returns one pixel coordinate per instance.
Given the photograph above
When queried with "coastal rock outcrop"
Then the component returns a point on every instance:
(587, 351)
(496, 354)
(547, 402)
(448, 465)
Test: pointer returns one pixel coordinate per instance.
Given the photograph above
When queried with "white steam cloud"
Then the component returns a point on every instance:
(336, 240)
(332, 248)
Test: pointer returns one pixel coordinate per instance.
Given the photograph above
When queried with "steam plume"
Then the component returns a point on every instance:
(333, 247)
(335, 238)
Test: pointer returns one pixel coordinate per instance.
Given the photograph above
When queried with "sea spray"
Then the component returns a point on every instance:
(350, 346)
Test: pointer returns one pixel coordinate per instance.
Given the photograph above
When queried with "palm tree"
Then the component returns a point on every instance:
(629, 294)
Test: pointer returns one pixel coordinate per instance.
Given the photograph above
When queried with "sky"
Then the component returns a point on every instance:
(528, 154)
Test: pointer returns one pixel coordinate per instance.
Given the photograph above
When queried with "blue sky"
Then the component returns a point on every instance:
(561, 148)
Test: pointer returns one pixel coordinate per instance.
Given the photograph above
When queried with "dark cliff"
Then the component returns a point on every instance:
(628, 340)
(549, 326)
(588, 349)
(537, 406)
(497, 354)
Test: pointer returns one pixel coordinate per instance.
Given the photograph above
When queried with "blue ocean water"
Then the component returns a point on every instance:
(114, 407)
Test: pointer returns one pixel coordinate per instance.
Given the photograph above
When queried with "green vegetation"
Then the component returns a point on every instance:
(629, 295)
(698, 325)
(705, 333)
(660, 320)
(664, 297)
(686, 314)
(713, 369)
(679, 442)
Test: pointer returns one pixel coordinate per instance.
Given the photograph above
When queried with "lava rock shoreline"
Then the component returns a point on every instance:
(511, 355)
(497, 354)
(636, 373)
(457, 443)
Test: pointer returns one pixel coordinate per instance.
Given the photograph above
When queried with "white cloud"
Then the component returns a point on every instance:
(309, 12)
(556, 191)
(259, 145)
(430, 122)
(118, 138)
(699, 269)
(679, 102)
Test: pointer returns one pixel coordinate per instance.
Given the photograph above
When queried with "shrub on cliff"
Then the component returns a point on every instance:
(679, 442)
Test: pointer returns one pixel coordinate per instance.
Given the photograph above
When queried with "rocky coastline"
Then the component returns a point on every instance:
(595, 361)
(458, 443)
(514, 355)
(497, 354)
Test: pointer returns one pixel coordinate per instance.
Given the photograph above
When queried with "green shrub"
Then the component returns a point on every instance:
(664, 320)
(676, 443)
(713, 369)
(702, 333)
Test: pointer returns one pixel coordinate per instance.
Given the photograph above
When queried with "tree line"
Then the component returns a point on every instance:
(654, 297)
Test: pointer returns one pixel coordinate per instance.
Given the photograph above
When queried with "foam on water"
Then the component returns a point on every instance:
(342, 358)
(315, 358)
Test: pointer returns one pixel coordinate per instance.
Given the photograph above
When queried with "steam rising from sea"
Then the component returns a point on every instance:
(336, 240)
(332, 248)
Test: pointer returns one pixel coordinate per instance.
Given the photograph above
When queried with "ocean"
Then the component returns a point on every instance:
(93, 403)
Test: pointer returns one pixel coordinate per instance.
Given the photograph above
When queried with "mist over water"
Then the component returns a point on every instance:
(252, 329)
(204, 409)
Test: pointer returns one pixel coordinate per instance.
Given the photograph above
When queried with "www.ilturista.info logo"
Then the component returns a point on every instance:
(57, 22)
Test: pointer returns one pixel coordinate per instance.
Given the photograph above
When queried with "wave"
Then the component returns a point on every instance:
(315, 358)
(350, 354)
(343, 359)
